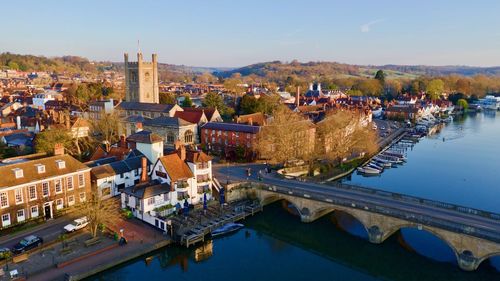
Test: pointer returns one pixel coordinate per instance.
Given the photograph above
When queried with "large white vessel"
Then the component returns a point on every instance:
(490, 102)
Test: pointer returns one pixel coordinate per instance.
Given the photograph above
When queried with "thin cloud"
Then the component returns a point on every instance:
(368, 26)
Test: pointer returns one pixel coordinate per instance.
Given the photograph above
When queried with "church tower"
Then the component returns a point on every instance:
(141, 80)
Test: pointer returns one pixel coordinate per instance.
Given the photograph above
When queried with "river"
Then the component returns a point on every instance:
(460, 165)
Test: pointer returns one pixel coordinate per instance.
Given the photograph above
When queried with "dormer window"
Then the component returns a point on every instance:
(40, 168)
(18, 172)
(61, 164)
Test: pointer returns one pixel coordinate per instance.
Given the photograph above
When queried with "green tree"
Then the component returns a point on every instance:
(46, 140)
(187, 102)
(214, 100)
(463, 104)
(380, 76)
(13, 65)
(167, 98)
(435, 88)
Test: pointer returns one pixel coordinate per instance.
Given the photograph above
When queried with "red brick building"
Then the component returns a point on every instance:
(39, 187)
(227, 137)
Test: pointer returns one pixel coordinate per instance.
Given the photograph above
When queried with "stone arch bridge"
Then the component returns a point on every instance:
(473, 235)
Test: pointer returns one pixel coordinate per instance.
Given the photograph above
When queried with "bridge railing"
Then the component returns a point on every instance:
(418, 200)
(393, 212)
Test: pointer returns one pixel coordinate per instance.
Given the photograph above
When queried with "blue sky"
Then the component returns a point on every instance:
(237, 33)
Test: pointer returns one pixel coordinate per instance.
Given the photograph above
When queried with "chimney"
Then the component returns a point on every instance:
(108, 146)
(58, 149)
(297, 97)
(67, 121)
(123, 142)
(144, 166)
(181, 151)
(11, 98)
(18, 122)
(250, 121)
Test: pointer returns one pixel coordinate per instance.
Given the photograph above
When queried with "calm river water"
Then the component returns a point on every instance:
(460, 164)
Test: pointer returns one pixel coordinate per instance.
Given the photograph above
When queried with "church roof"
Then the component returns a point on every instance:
(145, 106)
(144, 137)
(166, 121)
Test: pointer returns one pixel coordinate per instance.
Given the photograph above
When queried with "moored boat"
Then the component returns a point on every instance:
(227, 228)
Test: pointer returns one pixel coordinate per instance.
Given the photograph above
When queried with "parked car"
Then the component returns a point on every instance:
(4, 253)
(28, 243)
(76, 224)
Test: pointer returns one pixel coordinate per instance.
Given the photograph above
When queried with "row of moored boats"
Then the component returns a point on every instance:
(393, 156)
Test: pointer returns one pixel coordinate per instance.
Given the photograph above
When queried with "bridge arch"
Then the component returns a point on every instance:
(486, 257)
(440, 236)
(269, 198)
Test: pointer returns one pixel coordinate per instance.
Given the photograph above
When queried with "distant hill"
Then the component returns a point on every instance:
(441, 70)
(279, 70)
(65, 64)
(313, 70)
(275, 70)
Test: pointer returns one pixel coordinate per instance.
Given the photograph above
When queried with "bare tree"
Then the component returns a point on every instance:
(288, 136)
(99, 212)
(343, 133)
(107, 128)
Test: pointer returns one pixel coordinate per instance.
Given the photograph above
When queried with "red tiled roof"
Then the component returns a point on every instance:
(175, 167)
(197, 156)
(190, 116)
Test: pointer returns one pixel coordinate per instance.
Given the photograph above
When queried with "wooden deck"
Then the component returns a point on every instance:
(196, 227)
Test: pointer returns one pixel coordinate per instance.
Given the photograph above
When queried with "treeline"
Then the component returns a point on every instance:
(65, 64)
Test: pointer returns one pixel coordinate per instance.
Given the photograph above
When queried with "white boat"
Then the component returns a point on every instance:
(394, 155)
(374, 165)
(388, 159)
(383, 163)
(227, 228)
(368, 170)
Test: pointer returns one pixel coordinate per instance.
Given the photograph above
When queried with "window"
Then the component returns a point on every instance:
(81, 180)
(45, 189)
(170, 137)
(82, 197)
(188, 136)
(4, 200)
(69, 183)
(18, 172)
(106, 191)
(20, 215)
(61, 164)
(58, 186)
(5, 220)
(40, 168)
(18, 195)
(32, 192)
(151, 201)
(34, 211)
(59, 204)
(71, 200)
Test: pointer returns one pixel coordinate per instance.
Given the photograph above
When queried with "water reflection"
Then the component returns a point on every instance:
(427, 245)
(465, 163)
(277, 246)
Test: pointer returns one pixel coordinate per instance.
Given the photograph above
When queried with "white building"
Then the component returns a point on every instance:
(40, 99)
(176, 179)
